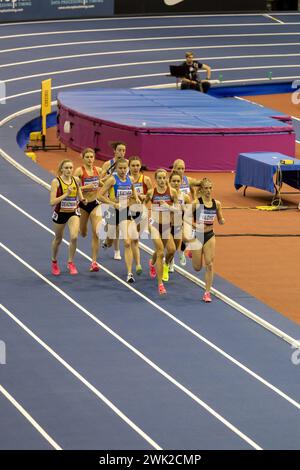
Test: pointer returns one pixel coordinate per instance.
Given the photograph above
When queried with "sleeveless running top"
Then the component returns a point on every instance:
(185, 187)
(87, 179)
(70, 203)
(158, 197)
(140, 185)
(205, 215)
(121, 189)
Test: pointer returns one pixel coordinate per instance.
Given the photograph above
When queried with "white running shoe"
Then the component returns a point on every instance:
(130, 279)
(117, 255)
(182, 259)
(171, 266)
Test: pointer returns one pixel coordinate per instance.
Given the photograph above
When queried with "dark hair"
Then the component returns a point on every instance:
(175, 173)
(133, 157)
(114, 145)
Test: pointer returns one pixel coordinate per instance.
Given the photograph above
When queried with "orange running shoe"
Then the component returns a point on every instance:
(55, 268)
(152, 270)
(206, 297)
(72, 269)
(94, 267)
(161, 289)
(189, 253)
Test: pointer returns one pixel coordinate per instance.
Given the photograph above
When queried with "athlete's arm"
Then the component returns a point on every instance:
(148, 196)
(220, 217)
(104, 190)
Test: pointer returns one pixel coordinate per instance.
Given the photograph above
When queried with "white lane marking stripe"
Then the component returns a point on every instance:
(26, 415)
(222, 297)
(143, 28)
(274, 19)
(177, 384)
(166, 38)
(73, 371)
(124, 18)
(134, 64)
(135, 51)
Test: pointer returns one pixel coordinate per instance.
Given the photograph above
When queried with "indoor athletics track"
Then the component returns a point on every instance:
(94, 363)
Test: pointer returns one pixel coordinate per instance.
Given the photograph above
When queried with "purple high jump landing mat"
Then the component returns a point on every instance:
(161, 125)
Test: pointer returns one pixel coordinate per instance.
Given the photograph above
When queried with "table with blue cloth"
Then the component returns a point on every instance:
(257, 169)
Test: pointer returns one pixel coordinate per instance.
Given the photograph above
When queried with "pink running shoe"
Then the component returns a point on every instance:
(152, 270)
(206, 297)
(94, 267)
(161, 289)
(55, 268)
(72, 269)
(188, 253)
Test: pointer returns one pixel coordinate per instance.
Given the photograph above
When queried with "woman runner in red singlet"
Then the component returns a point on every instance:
(89, 176)
(163, 201)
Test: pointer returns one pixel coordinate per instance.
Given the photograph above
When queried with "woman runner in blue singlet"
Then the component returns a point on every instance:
(121, 196)
(108, 169)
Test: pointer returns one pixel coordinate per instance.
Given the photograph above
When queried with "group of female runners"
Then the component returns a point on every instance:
(121, 203)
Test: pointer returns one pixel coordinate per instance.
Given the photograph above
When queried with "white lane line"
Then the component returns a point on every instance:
(222, 297)
(137, 51)
(158, 38)
(143, 28)
(73, 371)
(274, 19)
(148, 361)
(125, 18)
(26, 415)
(136, 64)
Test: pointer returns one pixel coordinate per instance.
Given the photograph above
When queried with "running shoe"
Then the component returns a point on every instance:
(94, 267)
(161, 289)
(138, 269)
(130, 279)
(152, 270)
(189, 253)
(165, 276)
(55, 268)
(72, 269)
(104, 244)
(117, 255)
(171, 266)
(206, 297)
(182, 259)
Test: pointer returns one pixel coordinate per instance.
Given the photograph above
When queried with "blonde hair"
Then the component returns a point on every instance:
(87, 150)
(177, 161)
(203, 182)
(159, 170)
(121, 160)
(59, 169)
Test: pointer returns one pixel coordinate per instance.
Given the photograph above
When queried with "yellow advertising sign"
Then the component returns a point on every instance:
(46, 102)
